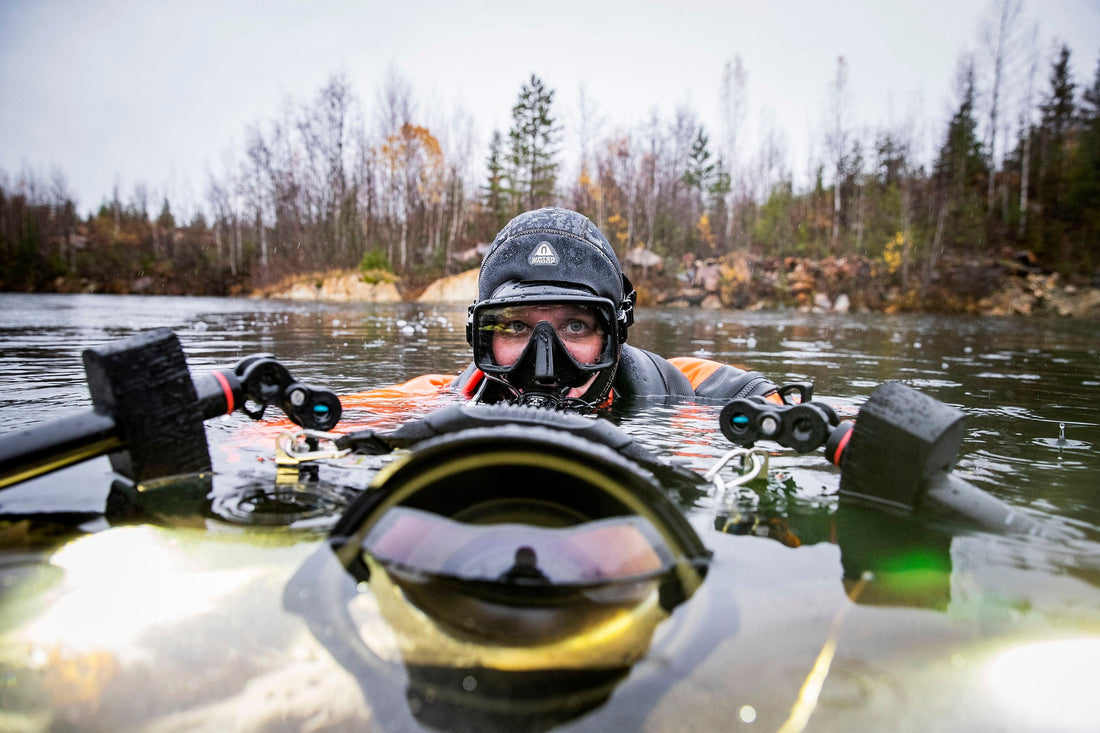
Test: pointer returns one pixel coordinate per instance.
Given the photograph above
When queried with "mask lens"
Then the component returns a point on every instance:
(503, 332)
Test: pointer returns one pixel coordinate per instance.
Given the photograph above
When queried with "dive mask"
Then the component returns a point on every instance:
(546, 346)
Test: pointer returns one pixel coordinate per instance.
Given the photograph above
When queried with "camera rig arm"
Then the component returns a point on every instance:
(147, 411)
(898, 454)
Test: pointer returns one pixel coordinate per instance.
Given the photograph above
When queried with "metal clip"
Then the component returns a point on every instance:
(292, 449)
(752, 463)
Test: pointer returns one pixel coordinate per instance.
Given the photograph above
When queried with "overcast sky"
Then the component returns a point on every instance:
(121, 93)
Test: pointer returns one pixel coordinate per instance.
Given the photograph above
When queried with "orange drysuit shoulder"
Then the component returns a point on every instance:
(698, 370)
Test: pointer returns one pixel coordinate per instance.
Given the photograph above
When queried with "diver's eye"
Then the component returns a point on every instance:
(575, 327)
(513, 328)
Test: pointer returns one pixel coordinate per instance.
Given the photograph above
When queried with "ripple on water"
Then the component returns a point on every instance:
(1063, 444)
(300, 505)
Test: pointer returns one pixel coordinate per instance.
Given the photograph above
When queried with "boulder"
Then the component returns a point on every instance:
(644, 258)
(341, 287)
(460, 288)
(1075, 302)
(351, 288)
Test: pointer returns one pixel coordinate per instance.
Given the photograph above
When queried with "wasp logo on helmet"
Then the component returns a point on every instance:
(544, 254)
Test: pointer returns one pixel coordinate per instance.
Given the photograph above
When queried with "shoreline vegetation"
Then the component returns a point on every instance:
(1003, 287)
(839, 285)
(1012, 284)
(988, 212)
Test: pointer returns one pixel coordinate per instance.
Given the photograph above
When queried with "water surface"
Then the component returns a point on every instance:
(931, 623)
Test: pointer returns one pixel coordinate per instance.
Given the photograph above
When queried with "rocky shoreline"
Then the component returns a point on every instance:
(833, 284)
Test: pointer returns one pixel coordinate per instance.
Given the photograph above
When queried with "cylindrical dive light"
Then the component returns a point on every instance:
(899, 454)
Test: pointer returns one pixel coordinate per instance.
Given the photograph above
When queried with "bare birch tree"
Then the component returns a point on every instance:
(838, 137)
(458, 151)
(734, 96)
(394, 108)
(589, 124)
(999, 42)
(1026, 123)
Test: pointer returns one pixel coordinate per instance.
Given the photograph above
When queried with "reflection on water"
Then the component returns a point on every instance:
(168, 613)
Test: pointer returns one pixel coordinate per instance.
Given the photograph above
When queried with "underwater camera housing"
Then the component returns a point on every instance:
(507, 551)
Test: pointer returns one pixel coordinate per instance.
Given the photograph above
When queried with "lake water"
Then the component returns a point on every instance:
(182, 625)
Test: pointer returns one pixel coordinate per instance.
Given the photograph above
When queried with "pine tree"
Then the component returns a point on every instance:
(960, 160)
(1058, 108)
(711, 181)
(532, 167)
(1084, 183)
(959, 181)
(700, 168)
(1058, 113)
(1090, 109)
(163, 233)
(960, 172)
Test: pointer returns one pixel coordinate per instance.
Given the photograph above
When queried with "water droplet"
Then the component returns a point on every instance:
(747, 713)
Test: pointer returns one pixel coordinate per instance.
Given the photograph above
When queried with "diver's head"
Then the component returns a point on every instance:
(552, 310)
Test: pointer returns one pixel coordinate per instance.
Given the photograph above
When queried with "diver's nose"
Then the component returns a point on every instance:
(543, 335)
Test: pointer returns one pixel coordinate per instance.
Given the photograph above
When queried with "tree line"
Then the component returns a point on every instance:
(1016, 167)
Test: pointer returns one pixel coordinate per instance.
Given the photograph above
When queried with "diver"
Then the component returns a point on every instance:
(549, 326)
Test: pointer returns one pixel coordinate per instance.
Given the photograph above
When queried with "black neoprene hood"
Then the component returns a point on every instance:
(549, 256)
(555, 247)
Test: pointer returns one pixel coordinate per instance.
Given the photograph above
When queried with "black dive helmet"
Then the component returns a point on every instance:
(551, 256)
